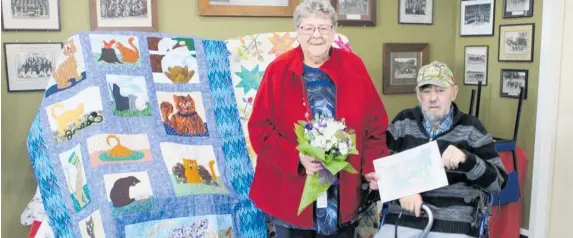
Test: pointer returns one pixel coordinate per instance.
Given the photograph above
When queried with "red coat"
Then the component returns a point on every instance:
(278, 181)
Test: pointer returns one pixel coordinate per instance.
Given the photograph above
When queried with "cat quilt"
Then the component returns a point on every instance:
(143, 134)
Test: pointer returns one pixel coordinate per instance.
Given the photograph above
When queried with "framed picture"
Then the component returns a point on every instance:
(477, 18)
(250, 8)
(30, 15)
(123, 15)
(402, 61)
(517, 8)
(416, 12)
(516, 42)
(355, 12)
(511, 82)
(29, 65)
(476, 64)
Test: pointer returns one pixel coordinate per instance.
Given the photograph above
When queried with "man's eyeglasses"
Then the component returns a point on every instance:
(322, 29)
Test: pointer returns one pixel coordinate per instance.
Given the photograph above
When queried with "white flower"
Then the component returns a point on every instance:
(330, 130)
(318, 142)
(343, 148)
(334, 140)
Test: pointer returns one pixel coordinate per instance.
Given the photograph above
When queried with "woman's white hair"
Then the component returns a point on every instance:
(310, 7)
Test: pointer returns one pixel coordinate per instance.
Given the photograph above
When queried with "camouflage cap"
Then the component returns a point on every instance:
(435, 73)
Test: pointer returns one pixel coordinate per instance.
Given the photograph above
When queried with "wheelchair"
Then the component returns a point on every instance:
(481, 214)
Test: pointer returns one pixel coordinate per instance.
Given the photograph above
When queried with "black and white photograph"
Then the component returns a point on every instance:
(476, 64)
(29, 66)
(404, 68)
(353, 7)
(34, 65)
(136, 15)
(512, 80)
(415, 7)
(355, 12)
(30, 9)
(477, 18)
(113, 9)
(516, 42)
(517, 8)
(416, 12)
(30, 15)
(401, 63)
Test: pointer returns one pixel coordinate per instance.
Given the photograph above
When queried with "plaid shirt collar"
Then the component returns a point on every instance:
(443, 126)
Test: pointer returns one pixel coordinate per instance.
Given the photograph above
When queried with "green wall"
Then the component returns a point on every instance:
(181, 17)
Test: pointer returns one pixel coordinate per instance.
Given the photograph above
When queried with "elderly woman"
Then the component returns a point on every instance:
(314, 78)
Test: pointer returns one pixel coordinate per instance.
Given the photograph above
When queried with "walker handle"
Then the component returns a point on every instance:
(430, 221)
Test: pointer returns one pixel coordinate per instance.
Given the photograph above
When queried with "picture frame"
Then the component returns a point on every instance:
(516, 42)
(477, 17)
(39, 15)
(254, 8)
(29, 65)
(517, 8)
(417, 12)
(402, 61)
(141, 17)
(511, 81)
(355, 12)
(476, 64)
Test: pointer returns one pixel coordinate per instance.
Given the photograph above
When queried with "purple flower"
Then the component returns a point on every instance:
(308, 126)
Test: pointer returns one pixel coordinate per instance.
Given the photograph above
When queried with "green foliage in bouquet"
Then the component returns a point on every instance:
(330, 142)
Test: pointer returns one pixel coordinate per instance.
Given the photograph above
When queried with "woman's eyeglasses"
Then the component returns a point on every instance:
(322, 29)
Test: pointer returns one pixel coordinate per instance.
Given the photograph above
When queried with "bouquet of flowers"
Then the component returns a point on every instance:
(329, 141)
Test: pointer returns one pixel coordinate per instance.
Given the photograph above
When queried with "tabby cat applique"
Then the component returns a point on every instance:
(183, 115)
(70, 67)
(193, 169)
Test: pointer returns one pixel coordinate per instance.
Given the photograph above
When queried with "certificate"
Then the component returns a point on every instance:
(410, 172)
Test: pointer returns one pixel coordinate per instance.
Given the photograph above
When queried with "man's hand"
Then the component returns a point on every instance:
(311, 165)
(372, 180)
(452, 157)
(412, 203)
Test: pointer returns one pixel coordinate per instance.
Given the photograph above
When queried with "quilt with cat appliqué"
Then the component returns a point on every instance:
(143, 134)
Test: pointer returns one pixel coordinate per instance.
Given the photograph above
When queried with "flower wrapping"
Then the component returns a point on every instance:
(329, 141)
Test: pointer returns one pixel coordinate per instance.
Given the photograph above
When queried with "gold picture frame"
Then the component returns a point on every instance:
(227, 8)
(516, 42)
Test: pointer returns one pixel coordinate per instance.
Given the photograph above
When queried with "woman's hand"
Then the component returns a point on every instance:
(412, 203)
(310, 164)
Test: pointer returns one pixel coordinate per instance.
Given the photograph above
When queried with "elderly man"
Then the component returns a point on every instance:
(314, 79)
(468, 154)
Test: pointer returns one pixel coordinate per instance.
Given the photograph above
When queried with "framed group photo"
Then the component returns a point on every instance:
(31, 15)
(125, 15)
(476, 64)
(248, 8)
(416, 12)
(511, 82)
(355, 12)
(29, 65)
(402, 61)
(517, 8)
(477, 18)
(516, 42)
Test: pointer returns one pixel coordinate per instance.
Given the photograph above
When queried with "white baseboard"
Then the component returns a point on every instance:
(524, 232)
